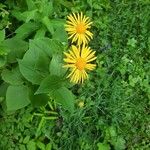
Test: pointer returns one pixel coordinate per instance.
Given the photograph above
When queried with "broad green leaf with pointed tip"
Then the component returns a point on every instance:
(26, 29)
(13, 76)
(61, 37)
(35, 64)
(56, 65)
(15, 48)
(48, 24)
(40, 33)
(17, 96)
(64, 97)
(49, 84)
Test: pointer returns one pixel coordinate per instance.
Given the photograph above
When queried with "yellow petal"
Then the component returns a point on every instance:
(92, 59)
(90, 66)
(72, 72)
(69, 66)
(72, 19)
(69, 55)
(90, 56)
(69, 60)
(75, 51)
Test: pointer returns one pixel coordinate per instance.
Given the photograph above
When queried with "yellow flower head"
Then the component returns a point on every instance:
(79, 60)
(77, 27)
(81, 104)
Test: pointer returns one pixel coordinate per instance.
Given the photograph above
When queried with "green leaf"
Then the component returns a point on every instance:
(64, 97)
(46, 45)
(112, 131)
(57, 23)
(31, 145)
(18, 15)
(22, 147)
(46, 21)
(2, 35)
(56, 65)
(40, 33)
(3, 89)
(132, 42)
(46, 8)
(61, 37)
(17, 97)
(48, 146)
(119, 144)
(49, 84)
(26, 139)
(103, 146)
(31, 73)
(56, 46)
(13, 76)
(3, 49)
(66, 4)
(31, 5)
(30, 15)
(40, 145)
(35, 64)
(26, 29)
(12, 45)
(39, 99)
(2, 61)
(16, 48)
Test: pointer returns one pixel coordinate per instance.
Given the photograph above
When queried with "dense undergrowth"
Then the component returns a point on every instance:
(111, 108)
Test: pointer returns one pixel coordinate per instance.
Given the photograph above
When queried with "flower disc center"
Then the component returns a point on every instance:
(80, 28)
(80, 64)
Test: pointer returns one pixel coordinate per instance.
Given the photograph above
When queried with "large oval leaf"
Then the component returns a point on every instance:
(35, 64)
(64, 97)
(13, 76)
(17, 97)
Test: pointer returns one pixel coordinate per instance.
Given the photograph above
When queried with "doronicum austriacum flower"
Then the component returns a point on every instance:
(77, 27)
(79, 61)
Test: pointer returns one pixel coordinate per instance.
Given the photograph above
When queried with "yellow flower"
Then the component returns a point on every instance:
(79, 60)
(81, 104)
(77, 27)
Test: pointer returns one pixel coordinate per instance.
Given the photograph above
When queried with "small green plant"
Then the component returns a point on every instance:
(34, 69)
